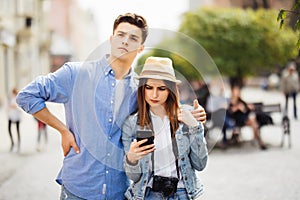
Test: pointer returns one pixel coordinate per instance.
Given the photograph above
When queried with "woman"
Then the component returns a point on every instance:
(14, 117)
(242, 114)
(165, 169)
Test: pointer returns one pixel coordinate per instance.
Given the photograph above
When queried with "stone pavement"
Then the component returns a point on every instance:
(29, 174)
(238, 173)
(246, 172)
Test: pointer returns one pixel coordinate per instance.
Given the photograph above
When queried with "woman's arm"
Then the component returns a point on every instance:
(198, 154)
(133, 172)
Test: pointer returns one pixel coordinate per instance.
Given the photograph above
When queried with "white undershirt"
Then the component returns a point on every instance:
(119, 95)
(164, 159)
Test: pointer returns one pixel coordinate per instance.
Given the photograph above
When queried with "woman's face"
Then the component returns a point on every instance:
(156, 92)
(235, 92)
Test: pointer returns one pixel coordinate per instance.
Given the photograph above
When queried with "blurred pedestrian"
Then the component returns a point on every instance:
(290, 86)
(201, 90)
(14, 117)
(217, 105)
(42, 130)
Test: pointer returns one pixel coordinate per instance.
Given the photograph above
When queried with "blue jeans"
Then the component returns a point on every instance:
(67, 195)
(179, 195)
(228, 124)
(293, 94)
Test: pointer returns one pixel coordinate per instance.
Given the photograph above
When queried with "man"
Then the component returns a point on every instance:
(290, 86)
(98, 96)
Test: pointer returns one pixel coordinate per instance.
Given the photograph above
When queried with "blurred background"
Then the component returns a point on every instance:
(242, 37)
(37, 36)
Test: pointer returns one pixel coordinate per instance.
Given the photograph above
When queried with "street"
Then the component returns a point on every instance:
(237, 173)
(30, 174)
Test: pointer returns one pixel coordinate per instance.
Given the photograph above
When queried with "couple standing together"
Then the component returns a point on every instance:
(105, 107)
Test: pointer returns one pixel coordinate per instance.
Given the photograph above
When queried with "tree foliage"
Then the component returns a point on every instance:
(293, 13)
(241, 42)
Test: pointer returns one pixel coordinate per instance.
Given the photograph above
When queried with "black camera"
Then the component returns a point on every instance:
(166, 185)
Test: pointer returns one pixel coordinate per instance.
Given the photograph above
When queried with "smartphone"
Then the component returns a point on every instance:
(145, 134)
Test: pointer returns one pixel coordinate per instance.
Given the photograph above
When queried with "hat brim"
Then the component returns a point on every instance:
(159, 77)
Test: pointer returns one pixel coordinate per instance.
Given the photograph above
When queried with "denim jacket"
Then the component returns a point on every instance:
(192, 155)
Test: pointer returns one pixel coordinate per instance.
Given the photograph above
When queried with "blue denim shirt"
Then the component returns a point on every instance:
(192, 152)
(87, 91)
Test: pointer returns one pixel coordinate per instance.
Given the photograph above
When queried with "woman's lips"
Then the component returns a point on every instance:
(154, 101)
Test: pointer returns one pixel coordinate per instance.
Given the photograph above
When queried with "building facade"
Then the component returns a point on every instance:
(23, 43)
(38, 36)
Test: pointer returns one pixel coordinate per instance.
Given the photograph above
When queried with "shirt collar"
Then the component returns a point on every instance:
(109, 71)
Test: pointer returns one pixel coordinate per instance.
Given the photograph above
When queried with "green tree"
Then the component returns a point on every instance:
(241, 42)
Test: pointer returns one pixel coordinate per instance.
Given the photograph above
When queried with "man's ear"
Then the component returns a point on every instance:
(141, 48)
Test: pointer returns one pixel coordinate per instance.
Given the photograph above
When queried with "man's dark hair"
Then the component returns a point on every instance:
(133, 19)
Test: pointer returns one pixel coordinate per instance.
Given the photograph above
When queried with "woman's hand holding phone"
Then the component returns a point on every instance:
(137, 150)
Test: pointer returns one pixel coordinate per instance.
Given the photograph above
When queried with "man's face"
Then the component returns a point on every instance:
(126, 42)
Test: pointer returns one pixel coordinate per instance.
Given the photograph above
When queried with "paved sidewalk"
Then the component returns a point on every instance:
(29, 174)
(246, 172)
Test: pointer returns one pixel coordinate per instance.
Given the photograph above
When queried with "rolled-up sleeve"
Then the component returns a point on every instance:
(54, 87)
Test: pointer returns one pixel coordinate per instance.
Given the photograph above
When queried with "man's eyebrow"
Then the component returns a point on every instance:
(118, 31)
(132, 35)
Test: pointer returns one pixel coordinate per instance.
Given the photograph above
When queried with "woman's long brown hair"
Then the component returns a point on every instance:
(172, 105)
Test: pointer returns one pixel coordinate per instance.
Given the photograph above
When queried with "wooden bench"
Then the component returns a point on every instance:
(268, 109)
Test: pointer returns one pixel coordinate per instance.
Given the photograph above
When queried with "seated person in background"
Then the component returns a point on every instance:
(242, 114)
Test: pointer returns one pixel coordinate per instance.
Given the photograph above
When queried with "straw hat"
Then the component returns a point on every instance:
(158, 68)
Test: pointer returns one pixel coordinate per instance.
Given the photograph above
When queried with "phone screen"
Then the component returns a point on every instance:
(145, 134)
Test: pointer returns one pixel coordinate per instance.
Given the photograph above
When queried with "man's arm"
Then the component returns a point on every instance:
(54, 87)
(68, 139)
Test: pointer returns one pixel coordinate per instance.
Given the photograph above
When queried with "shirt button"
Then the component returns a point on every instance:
(111, 101)
(109, 119)
(107, 171)
(113, 84)
(179, 137)
(109, 137)
(108, 154)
